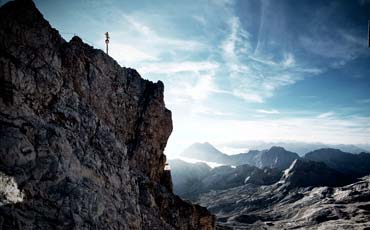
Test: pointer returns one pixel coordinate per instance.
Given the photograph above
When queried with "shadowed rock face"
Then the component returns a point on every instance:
(81, 138)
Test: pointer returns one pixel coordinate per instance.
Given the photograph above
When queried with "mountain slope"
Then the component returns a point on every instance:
(81, 138)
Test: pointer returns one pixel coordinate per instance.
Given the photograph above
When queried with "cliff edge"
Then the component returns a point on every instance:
(81, 138)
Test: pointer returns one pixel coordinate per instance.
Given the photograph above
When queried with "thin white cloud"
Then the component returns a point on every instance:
(272, 111)
(328, 47)
(326, 115)
(288, 61)
(176, 67)
(253, 97)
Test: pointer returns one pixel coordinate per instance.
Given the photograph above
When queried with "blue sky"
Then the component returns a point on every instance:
(240, 70)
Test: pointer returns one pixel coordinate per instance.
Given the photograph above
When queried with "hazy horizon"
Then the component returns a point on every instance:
(240, 70)
(237, 147)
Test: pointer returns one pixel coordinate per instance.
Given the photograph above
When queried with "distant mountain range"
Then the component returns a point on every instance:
(279, 158)
(301, 148)
(275, 157)
(324, 167)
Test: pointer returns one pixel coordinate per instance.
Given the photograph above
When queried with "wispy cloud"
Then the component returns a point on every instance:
(256, 77)
(339, 45)
(272, 111)
(326, 115)
(176, 67)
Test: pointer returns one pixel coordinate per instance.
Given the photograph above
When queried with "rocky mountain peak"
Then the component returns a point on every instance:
(277, 149)
(81, 137)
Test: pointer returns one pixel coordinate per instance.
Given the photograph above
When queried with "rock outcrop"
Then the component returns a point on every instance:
(81, 138)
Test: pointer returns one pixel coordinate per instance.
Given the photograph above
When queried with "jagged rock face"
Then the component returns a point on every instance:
(81, 138)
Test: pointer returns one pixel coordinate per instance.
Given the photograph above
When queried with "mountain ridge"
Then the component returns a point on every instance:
(275, 157)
